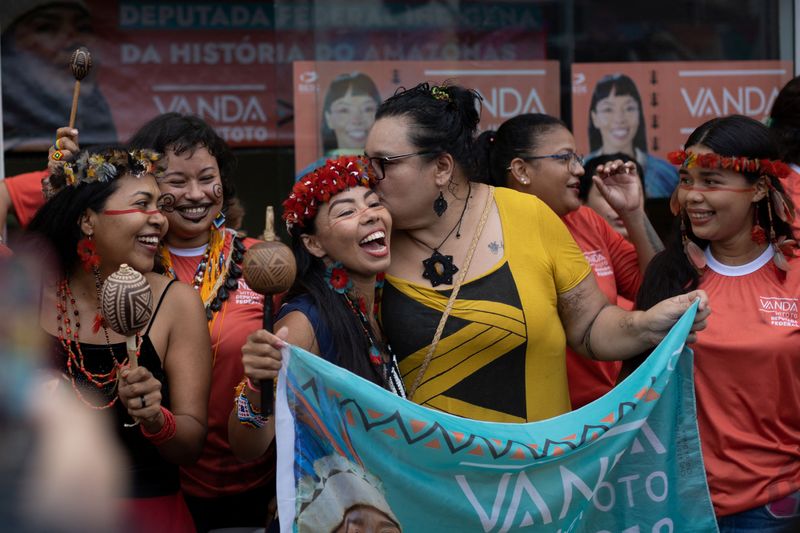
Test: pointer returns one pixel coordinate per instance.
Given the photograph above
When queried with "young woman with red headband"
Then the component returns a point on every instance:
(734, 241)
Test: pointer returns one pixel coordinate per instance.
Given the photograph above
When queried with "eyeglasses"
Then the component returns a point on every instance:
(378, 163)
(571, 158)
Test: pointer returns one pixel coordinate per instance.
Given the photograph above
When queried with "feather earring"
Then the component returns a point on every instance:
(780, 247)
(696, 256)
(757, 233)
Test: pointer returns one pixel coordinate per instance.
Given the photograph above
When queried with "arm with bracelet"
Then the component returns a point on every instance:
(180, 430)
(250, 429)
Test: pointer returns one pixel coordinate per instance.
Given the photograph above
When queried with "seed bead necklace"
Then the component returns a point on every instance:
(387, 369)
(217, 275)
(69, 338)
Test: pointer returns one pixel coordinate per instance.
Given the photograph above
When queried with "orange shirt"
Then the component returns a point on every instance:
(747, 378)
(26, 195)
(616, 269)
(218, 472)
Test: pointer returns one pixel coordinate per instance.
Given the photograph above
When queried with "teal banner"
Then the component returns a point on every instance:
(354, 457)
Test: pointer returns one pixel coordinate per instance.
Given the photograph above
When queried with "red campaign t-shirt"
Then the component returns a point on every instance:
(616, 269)
(218, 472)
(26, 195)
(747, 380)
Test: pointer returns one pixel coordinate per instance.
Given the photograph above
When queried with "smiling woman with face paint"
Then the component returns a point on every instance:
(733, 239)
(199, 250)
(197, 189)
(104, 212)
(341, 245)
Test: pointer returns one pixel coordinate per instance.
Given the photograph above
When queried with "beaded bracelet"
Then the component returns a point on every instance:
(248, 415)
(166, 432)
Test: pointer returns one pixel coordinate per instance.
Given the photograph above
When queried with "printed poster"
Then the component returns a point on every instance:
(647, 110)
(228, 62)
(335, 101)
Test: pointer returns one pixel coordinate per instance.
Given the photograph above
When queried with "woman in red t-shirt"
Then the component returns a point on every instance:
(733, 240)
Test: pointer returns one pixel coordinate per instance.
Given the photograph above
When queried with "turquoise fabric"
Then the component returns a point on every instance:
(630, 461)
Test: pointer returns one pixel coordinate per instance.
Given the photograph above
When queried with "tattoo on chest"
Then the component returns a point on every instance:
(496, 247)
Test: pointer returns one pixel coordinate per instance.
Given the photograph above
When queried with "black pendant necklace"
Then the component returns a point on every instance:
(439, 268)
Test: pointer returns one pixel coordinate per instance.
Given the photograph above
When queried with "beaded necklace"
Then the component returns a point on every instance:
(386, 368)
(69, 337)
(216, 275)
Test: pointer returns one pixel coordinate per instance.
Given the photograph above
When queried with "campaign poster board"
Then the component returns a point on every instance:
(230, 63)
(507, 88)
(674, 99)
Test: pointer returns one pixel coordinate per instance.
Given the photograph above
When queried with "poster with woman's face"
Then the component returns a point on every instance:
(335, 101)
(646, 110)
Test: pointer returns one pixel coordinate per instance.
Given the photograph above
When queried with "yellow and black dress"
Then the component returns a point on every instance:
(501, 356)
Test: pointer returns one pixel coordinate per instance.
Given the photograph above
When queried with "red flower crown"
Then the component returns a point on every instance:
(317, 187)
(764, 167)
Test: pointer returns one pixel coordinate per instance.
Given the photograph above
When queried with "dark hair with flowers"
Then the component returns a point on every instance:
(314, 279)
(762, 167)
(85, 184)
(737, 142)
(104, 165)
(317, 187)
(442, 118)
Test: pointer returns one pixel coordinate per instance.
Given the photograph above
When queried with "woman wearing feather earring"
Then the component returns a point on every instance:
(735, 243)
(197, 188)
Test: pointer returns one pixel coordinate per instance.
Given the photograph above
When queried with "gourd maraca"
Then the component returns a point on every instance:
(80, 63)
(269, 268)
(127, 304)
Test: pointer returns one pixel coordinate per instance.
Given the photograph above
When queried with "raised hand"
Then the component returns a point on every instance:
(63, 150)
(621, 186)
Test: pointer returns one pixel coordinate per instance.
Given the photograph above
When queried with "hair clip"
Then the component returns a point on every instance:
(440, 93)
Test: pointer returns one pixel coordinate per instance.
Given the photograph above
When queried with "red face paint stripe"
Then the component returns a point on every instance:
(129, 211)
(714, 189)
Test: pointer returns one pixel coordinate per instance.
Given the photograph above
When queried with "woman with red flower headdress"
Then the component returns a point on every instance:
(733, 240)
(340, 239)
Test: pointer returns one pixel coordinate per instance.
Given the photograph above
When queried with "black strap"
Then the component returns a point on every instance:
(158, 305)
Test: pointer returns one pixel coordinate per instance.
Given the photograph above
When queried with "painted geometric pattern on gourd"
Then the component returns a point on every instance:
(127, 302)
(269, 268)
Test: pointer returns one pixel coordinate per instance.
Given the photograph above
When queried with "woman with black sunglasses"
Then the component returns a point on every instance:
(486, 286)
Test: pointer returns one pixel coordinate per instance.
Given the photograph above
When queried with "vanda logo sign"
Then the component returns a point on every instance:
(786, 305)
(781, 311)
(718, 102)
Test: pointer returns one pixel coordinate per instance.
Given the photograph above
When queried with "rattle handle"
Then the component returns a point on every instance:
(75, 93)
